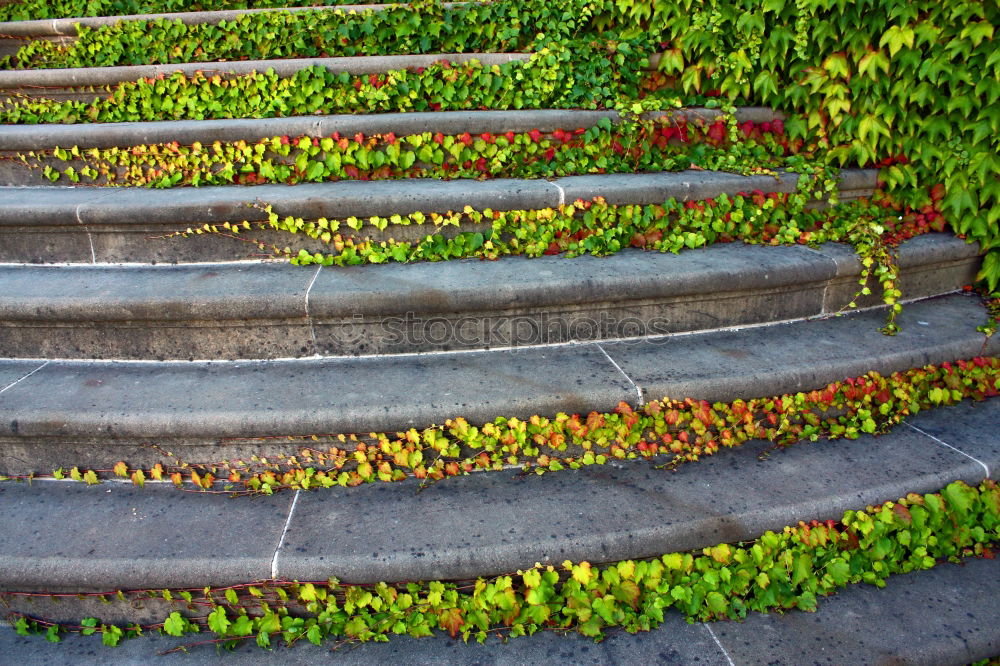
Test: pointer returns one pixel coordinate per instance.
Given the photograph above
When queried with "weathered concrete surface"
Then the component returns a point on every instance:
(149, 400)
(69, 536)
(802, 355)
(180, 312)
(943, 617)
(230, 311)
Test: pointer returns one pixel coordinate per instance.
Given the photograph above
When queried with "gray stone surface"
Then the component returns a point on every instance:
(685, 185)
(946, 616)
(14, 371)
(171, 293)
(65, 535)
(34, 81)
(972, 429)
(519, 301)
(216, 311)
(106, 135)
(803, 355)
(942, 617)
(674, 643)
(145, 400)
(929, 264)
(181, 207)
(475, 525)
(260, 311)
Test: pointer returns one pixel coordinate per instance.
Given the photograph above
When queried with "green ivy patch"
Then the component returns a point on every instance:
(585, 74)
(663, 144)
(882, 79)
(423, 27)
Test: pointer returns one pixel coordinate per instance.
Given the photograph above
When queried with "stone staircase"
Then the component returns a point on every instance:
(121, 342)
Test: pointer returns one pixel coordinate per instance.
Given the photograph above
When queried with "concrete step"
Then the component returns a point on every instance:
(69, 26)
(23, 138)
(941, 617)
(91, 225)
(114, 536)
(81, 82)
(61, 413)
(232, 311)
(25, 150)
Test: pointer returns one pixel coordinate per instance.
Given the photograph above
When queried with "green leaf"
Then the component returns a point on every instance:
(896, 37)
(217, 621)
(110, 635)
(174, 625)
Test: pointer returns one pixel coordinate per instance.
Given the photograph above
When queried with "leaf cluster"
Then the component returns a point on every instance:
(430, 27)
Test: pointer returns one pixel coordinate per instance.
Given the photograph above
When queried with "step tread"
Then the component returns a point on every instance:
(321, 395)
(20, 206)
(94, 536)
(75, 77)
(106, 135)
(943, 616)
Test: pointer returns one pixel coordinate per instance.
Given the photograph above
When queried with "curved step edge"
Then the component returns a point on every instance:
(94, 413)
(106, 135)
(233, 311)
(471, 526)
(33, 81)
(98, 225)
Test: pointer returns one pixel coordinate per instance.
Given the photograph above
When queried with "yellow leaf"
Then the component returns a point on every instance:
(582, 573)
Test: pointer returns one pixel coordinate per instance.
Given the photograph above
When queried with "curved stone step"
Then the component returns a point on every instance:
(97, 538)
(90, 225)
(23, 138)
(60, 413)
(940, 616)
(62, 83)
(68, 27)
(279, 310)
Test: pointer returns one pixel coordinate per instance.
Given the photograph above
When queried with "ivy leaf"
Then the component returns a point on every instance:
(716, 603)
(174, 625)
(242, 627)
(896, 37)
(451, 620)
(217, 620)
(111, 635)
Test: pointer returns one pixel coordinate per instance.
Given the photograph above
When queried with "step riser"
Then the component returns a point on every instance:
(97, 225)
(14, 138)
(787, 283)
(45, 83)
